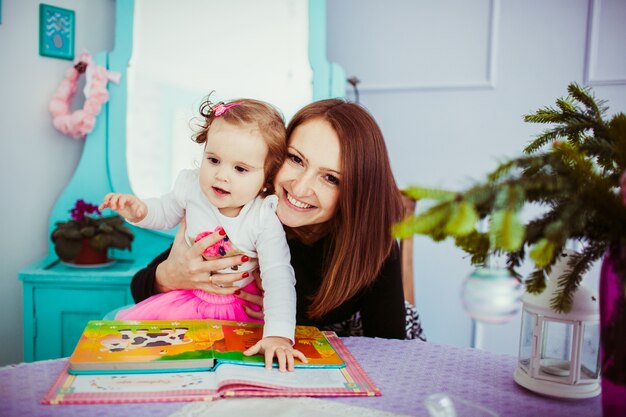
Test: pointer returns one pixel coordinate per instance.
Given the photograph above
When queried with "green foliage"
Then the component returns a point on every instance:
(430, 222)
(476, 244)
(418, 193)
(462, 220)
(507, 230)
(536, 282)
(101, 232)
(572, 170)
(542, 253)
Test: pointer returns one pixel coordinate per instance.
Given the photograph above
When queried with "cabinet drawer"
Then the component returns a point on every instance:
(62, 313)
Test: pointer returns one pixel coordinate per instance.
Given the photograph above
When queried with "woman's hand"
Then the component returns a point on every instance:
(186, 268)
(276, 346)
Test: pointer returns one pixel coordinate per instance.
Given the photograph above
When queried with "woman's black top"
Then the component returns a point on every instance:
(381, 305)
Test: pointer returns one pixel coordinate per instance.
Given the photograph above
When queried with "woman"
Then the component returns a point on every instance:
(337, 199)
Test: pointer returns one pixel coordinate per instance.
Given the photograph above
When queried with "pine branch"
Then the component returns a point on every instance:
(536, 282)
(424, 223)
(503, 170)
(573, 131)
(578, 265)
(419, 193)
(507, 230)
(476, 244)
(514, 260)
(462, 219)
(542, 140)
(571, 170)
(572, 121)
(616, 133)
(595, 108)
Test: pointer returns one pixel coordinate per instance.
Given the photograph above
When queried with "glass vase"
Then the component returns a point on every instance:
(613, 340)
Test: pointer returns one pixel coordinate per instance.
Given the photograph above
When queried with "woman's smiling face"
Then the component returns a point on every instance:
(307, 184)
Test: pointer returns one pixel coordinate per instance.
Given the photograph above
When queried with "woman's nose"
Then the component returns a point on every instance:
(303, 185)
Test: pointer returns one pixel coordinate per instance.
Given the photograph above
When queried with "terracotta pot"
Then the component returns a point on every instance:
(613, 340)
(91, 256)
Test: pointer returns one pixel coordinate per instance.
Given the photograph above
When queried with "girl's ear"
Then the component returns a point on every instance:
(267, 190)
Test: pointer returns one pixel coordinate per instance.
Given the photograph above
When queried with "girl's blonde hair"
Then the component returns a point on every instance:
(257, 114)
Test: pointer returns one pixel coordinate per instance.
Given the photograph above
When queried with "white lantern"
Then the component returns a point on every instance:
(559, 352)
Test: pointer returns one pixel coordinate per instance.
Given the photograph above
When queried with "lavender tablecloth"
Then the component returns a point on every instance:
(406, 371)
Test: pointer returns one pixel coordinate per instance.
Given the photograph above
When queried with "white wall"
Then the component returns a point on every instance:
(37, 161)
(449, 81)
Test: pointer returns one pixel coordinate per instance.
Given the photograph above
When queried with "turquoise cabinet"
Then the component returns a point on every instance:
(60, 300)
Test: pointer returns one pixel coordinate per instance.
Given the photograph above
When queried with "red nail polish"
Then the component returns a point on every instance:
(237, 292)
(244, 258)
(222, 232)
(245, 275)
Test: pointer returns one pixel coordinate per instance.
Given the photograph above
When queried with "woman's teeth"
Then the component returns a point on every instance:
(297, 203)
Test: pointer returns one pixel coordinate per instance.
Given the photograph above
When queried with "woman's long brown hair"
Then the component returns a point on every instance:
(369, 204)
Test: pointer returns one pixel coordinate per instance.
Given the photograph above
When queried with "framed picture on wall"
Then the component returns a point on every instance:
(56, 32)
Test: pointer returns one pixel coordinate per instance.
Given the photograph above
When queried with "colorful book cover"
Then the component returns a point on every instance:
(227, 380)
(115, 346)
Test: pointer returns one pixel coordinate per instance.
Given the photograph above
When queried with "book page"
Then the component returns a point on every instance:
(228, 375)
(237, 337)
(153, 383)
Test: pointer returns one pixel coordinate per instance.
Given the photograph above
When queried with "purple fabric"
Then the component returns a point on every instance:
(406, 371)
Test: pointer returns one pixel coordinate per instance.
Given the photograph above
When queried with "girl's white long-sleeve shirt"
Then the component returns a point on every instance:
(256, 232)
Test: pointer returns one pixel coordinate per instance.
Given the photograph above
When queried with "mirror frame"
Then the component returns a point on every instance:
(102, 167)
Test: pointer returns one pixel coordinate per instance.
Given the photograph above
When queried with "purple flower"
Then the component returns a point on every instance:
(82, 208)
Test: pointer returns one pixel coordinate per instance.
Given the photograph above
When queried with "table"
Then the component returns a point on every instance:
(406, 371)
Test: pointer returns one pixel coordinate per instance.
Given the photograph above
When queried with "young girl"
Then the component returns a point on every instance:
(244, 145)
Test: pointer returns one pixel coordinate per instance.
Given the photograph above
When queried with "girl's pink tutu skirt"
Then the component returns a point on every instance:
(192, 304)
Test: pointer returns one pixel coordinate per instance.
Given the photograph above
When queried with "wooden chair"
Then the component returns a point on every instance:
(406, 248)
(413, 322)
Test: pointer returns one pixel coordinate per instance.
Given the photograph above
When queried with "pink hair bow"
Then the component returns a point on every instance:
(222, 108)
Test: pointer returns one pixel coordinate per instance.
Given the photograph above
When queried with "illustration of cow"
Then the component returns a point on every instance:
(128, 339)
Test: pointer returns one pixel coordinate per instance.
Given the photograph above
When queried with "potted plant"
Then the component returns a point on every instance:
(574, 170)
(86, 238)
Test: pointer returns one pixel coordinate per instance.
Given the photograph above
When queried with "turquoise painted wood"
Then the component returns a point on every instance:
(59, 300)
(329, 79)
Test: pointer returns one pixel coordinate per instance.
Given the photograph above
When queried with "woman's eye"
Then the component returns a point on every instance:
(213, 160)
(295, 159)
(331, 179)
(240, 169)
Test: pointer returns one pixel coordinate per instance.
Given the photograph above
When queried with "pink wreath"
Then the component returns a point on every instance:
(79, 123)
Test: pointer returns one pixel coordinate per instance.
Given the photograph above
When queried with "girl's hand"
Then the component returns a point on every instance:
(128, 206)
(186, 268)
(279, 347)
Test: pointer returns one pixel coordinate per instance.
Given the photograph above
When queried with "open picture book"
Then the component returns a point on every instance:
(114, 346)
(227, 380)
